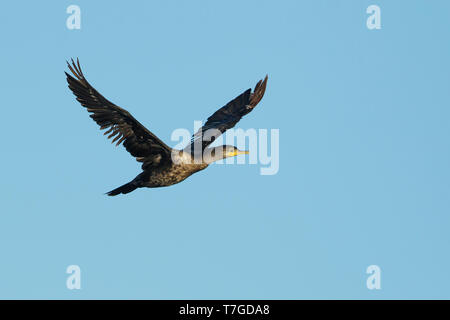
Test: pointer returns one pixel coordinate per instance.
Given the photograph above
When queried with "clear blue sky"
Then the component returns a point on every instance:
(364, 151)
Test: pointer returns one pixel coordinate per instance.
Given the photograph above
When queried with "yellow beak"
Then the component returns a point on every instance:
(236, 153)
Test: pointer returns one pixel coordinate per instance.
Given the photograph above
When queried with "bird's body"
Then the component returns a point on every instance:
(174, 172)
(160, 177)
(162, 166)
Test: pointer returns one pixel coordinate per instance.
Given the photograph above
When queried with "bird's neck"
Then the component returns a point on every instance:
(207, 157)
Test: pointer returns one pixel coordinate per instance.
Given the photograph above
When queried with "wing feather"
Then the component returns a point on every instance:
(121, 125)
(226, 117)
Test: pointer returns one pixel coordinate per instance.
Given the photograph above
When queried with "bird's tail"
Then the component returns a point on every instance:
(126, 188)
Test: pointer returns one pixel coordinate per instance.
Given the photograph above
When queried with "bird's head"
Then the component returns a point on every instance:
(221, 152)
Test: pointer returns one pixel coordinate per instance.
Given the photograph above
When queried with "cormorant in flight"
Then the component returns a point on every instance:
(162, 166)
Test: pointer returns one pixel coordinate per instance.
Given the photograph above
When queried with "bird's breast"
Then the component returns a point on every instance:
(173, 174)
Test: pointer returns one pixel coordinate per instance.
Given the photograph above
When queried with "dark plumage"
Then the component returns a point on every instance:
(161, 165)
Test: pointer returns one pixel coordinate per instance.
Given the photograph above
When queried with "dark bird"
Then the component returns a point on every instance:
(162, 166)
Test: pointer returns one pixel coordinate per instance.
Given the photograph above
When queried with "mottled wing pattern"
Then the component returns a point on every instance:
(230, 114)
(121, 125)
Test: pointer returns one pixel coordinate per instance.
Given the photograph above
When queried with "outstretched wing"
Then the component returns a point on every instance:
(226, 117)
(121, 125)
